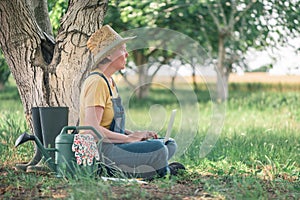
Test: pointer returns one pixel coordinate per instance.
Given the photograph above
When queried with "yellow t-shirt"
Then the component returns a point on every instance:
(95, 92)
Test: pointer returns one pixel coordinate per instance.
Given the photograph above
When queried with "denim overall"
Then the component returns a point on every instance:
(118, 122)
(152, 153)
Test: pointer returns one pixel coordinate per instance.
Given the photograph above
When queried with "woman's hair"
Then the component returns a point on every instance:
(102, 62)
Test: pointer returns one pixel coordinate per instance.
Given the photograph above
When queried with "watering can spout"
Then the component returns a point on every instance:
(24, 138)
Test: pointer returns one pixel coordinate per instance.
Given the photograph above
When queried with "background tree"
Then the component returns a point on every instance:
(56, 9)
(49, 71)
(225, 28)
(240, 25)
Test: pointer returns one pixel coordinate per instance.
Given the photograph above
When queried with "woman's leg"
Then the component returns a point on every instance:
(145, 158)
(171, 145)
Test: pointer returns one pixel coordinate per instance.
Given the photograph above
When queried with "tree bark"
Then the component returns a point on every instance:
(72, 60)
(21, 45)
(54, 82)
(39, 8)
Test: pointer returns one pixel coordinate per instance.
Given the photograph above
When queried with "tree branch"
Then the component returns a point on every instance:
(171, 9)
(215, 19)
(239, 16)
(156, 70)
(222, 12)
(126, 80)
(209, 45)
(232, 14)
(39, 8)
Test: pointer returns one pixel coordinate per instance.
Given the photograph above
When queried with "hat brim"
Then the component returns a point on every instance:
(109, 49)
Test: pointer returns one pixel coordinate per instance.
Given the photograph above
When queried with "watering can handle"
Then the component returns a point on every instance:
(67, 128)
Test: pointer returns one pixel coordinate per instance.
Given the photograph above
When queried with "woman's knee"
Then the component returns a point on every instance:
(172, 147)
(172, 143)
(159, 150)
(155, 145)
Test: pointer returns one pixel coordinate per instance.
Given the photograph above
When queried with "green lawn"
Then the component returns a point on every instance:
(255, 157)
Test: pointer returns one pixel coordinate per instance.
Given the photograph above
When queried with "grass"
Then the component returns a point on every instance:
(256, 156)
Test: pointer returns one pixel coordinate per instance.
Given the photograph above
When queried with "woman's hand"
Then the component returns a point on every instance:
(142, 135)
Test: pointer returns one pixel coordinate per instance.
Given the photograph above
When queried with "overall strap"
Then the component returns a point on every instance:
(102, 75)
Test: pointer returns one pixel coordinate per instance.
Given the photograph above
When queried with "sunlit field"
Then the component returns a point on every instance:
(255, 157)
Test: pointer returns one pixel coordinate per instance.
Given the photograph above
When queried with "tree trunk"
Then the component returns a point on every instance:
(144, 80)
(222, 80)
(58, 82)
(173, 82)
(39, 8)
(194, 78)
(21, 45)
(174, 76)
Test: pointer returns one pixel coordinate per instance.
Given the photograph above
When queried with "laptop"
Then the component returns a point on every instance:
(170, 126)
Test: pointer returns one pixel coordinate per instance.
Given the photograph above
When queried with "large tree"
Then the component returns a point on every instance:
(49, 71)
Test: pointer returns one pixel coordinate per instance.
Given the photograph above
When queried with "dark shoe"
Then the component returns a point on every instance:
(175, 167)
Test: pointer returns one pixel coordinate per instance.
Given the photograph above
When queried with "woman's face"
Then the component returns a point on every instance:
(119, 57)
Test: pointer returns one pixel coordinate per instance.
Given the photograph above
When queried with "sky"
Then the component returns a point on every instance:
(284, 59)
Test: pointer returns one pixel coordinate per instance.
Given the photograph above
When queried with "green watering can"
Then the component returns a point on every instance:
(65, 163)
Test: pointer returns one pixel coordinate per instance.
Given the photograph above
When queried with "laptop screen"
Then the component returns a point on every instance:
(170, 126)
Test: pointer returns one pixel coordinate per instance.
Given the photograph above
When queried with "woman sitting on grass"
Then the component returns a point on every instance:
(136, 153)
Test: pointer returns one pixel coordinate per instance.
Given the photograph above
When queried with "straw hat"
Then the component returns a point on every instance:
(104, 41)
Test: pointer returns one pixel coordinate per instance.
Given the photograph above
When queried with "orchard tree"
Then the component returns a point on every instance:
(230, 28)
(49, 70)
(225, 28)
